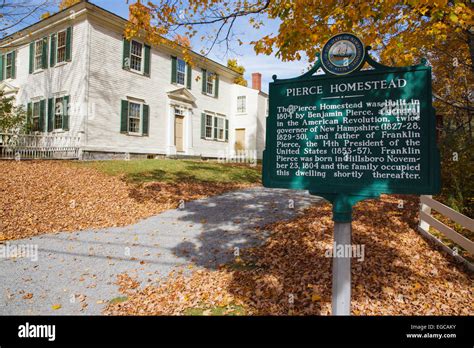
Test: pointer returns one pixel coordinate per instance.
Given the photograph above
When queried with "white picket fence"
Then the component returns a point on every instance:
(43, 146)
(427, 221)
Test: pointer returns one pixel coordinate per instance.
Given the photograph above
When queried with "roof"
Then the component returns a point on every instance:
(90, 6)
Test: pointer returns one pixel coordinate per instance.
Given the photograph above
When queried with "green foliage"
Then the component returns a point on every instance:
(457, 171)
(12, 118)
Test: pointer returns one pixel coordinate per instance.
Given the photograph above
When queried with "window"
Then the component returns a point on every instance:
(220, 128)
(35, 117)
(209, 126)
(241, 104)
(215, 128)
(134, 115)
(9, 66)
(39, 54)
(178, 110)
(58, 113)
(136, 55)
(180, 71)
(210, 83)
(61, 49)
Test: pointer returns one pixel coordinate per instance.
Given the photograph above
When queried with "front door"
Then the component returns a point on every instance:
(240, 139)
(179, 133)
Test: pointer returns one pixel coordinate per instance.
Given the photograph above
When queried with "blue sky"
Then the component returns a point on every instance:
(266, 65)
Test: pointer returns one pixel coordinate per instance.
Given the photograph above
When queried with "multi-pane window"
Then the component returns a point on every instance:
(210, 78)
(61, 47)
(180, 71)
(178, 110)
(215, 127)
(220, 128)
(39, 54)
(134, 116)
(136, 55)
(35, 116)
(9, 65)
(59, 112)
(241, 104)
(209, 126)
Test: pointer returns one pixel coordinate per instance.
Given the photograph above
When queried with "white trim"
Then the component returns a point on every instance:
(185, 72)
(140, 118)
(35, 55)
(142, 57)
(57, 46)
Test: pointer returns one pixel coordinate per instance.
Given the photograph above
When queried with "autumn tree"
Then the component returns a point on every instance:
(400, 32)
(17, 13)
(234, 65)
(67, 3)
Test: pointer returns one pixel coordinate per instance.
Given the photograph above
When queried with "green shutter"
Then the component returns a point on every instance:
(204, 80)
(173, 69)
(215, 128)
(68, 44)
(216, 87)
(29, 111)
(145, 119)
(126, 54)
(189, 74)
(50, 114)
(66, 113)
(52, 52)
(44, 56)
(42, 115)
(203, 126)
(32, 56)
(226, 130)
(147, 60)
(2, 65)
(124, 117)
(13, 65)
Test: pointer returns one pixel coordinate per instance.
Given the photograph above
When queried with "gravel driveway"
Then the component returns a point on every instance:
(75, 271)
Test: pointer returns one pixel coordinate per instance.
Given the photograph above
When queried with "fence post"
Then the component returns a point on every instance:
(426, 209)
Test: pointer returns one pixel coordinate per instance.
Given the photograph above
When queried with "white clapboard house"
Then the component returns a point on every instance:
(88, 90)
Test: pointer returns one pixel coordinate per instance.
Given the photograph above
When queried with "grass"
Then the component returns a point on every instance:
(231, 310)
(167, 170)
(118, 299)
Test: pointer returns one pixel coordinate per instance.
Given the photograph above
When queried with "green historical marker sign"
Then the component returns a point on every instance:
(352, 134)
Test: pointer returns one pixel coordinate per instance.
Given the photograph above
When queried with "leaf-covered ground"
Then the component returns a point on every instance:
(401, 274)
(38, 197)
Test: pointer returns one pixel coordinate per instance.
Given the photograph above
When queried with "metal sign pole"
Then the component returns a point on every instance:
(341, 271)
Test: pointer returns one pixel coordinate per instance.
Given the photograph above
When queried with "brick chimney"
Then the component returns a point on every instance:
(257, 81)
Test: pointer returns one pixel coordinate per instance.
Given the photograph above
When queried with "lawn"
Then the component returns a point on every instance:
(172, 171)
(70, 196)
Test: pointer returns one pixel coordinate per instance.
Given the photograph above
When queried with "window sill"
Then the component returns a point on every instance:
(57, 65)
(38, 71)
(216, 140)
(209, 95)
(133, 134)
(241, 113)
(136, 72)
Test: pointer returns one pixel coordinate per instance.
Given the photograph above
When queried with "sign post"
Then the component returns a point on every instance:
(348, 134)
